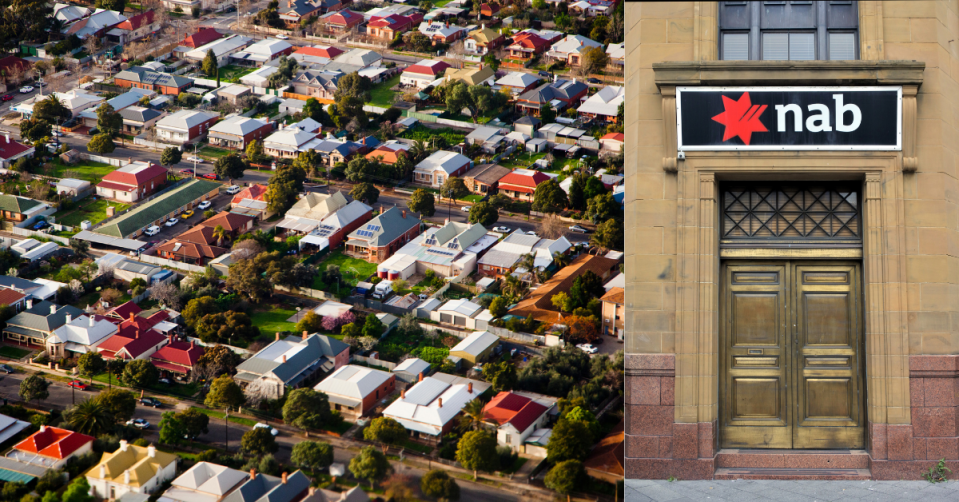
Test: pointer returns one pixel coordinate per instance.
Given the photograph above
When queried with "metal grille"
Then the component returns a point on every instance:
(785, 212)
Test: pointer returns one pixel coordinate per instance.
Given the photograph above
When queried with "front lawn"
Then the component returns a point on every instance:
(473, 197)
(13, 352)
(412, 445)
(84, 170)
(93, 210)
(353, 270)
(213, 152)
(273, 320)
(382, 95)
(174, 388)
(219, 415)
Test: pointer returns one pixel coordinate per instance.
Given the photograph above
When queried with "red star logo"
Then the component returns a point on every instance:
(741, 118)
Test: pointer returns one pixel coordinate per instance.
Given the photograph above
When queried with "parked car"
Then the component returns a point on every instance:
(139, 423)
(466, 209)
(502, 230)
(41, 225)
(172, 221)
(203, 205)
(578, 229)
(164, 381)
(149, 401)
(233, 189)
(191, 158)
(186, 214)
(6, 97)
(283, 37)
(186, 171)
(76, 384)
(542, 73)
(587, 348)
(26, 89)
(592, 80)
(152, 230)
(6, 369)
(262, 425)
(210, 176)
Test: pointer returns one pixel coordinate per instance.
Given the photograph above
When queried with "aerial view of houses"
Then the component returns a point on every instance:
(312, 250)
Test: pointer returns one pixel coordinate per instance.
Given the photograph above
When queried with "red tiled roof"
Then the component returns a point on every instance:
(135, 179)
(116, 186)
(9, 296)
(130, 343)
(202, 37)
(393, 22)
(530, 41)
(615, 136)
(192, 249)
(53, 442)
(10, 148)
(229, 221)
(322, 52)
(609, 454)
(255, 192)
(615, 295)
(9, 61)
(522, 182)
(437, 68)
(138, 21)
(539, 302)
(345, 17)
(124, 310)
(178, 353)
(516, 410)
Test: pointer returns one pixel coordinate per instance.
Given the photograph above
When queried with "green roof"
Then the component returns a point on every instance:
(148, 212)
(16, 477)
(16, 204)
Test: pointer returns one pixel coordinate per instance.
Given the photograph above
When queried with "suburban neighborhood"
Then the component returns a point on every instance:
(311, 251)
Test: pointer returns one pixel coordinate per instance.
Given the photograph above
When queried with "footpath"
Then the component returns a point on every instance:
(645, 490)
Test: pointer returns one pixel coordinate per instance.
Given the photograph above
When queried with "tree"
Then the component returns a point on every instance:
(484, 214)
(188, 100)
(101, 143)
(117, 5)
(561, 301)
(247, 278)
(373, 327)
(210, 65)
(230, 166)
(34, 388)
(437, 483)
(577, 199)
(549, 197)
(370, 465)
(34, 129)
(167, 294)
(603, 207)
(365, 192)
(306, 409)
(194, 423)
(51, 110)
(498, 307)
(115, 369)
(385, 430)
(172, 430)
(314, 110)
(90, 417)
(258, 441)
(593, 187)
(109, 120)
(254, 152)
(570, 440)
(311, 323)
(582, 414)
(472, 416)
(477, 452)
(197, 309)
(353, 85)
(91, 364)
(139, 373)
(120, 404)
(78, 491)
(225, 327)
(360, 169)
(224, 393)
(500, 201)
(608, 235)
(454, 186)
(501, 375)
(284, 186)
(564, 477)
(422, 202)
(594, 60)
(547, 114)
(219, 360)
(313, 455)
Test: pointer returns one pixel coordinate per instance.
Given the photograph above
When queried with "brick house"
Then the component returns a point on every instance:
(354, 391)
(483, 40)
(185, 126)
(435, 169)
(197, 246)
(238, 132)
(567, 92)
(521, 183)
(484, 179)
(389, 153)
(132, 182)
(159, 82)
(292, 11)
(614, 312)
(234, 224)
(341, 21)
(177, 358)
(202, 37)
(383, 235)
(526, 46)
(387, 27)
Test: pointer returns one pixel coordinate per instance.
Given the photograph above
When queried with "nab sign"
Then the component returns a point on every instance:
(789, 118)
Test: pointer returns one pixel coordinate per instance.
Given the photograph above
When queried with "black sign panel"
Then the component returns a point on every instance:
(789, 118)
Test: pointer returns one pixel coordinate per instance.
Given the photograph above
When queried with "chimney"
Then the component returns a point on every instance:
(29, 304)
(123, 445)
(7, 134)
(192, 345)
(284, 358)
(92, 321)
(312, 490)
(421, 377)
(69, 318)
(306, 334)
(53, 309)
(170, 339)
(126, 477)
(103, 471)
(43, 428)
(252, 474)
(152, 451)
(403, 213)
(469, 388)
(137, 332)
(441, 402)
(402, 393)
(284, 478)
(132, 317)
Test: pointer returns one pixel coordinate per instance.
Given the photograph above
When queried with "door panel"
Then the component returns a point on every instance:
(790, 356)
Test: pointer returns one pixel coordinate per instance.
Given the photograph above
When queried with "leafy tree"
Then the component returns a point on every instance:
(101, 143)
(120, 404)
(314, 110)
(373, 327)
(311, 323)
(454, 186)
(210, 65)
(188, 100)
(219, 360)
(286, 69)
(117, 5)
(313, 455)
(571, 440)
(34, 388)
(34, 129)
(476, 99)
(501, 375)
(308, 161)
(109, 120)
(230, 166)
(472, 416)
(561, 301)
(90, 417)
(139, 373)
(360, 169)
(225, 327)
(172, 430)
(385, 430)
(549, 197)
(258, 441)
(608, 235)
(51, 110)
(477, 452)
(246, 277)
(577, 199)
(594, 60)
(500, 201)
(484, 214)
(547, 114)
(498, 307)
(370, 465)
(198, 308)
(306, 409)
(284, 186)
(593, 187)
(582, 414)
(603, 207)
(350, 330)
(365, 192)
(224, 393)
(194, 423)
(491, 60)
(353, 85)
(91, 364)
(564, 477)
(78, 491)
(115, 368)
(437, 483)
(254, 152)
(422, 202)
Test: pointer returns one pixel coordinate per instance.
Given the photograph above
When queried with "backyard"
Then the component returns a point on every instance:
(273, 320)
(270, 111)
(522, 160)
(382, 94)
(352, 269)
(232, 73)
(93, 211)
(84, 170)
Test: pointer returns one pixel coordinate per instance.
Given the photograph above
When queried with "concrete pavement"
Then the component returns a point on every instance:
(789, 491)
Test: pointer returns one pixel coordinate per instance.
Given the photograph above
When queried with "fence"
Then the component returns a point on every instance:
(101, 87)
(312, 293)
(373, 362)
(519, 337)
(201, 343)
(155, 260)
(106, 160)
(32, 233)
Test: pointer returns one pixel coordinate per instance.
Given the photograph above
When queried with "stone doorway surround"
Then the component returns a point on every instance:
(675, 397)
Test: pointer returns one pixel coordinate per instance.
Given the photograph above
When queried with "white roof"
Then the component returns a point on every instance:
(420, 410)
(83, 330)
(220, 47)
(618, 281)
(308, 125)
(616, 51)
(185, 119)
(268, 47)
(358, 57)
(238, 126)
(605, 102)
(289, 139)
(413, 365)
(100, 19)
(234, 90)
(518, 79)
(73, 183)
(48, 288)
(347, 214)
(32, 249)
(462, 307)
(443, 160)
(260, 76)
(76, 99)
(208, 478)
(331, 308)
(476, 343)
(429, 304)
(353, 381)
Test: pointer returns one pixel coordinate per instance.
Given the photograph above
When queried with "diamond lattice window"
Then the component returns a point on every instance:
(793, 212)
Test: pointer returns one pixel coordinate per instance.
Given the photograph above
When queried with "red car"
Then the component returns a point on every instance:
(6, 97)
(186, 171)
(76, 384)
(210, 176)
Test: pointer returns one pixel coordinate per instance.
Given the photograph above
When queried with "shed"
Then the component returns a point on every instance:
(477, 347)
(409, 370)
(70, 186)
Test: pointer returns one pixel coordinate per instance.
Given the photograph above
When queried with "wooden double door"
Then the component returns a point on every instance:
(791, 349)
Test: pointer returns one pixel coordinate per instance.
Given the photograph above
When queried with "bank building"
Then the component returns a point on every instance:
(792, 239)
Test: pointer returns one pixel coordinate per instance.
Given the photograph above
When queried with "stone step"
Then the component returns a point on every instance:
(728, 473)
(792, 459)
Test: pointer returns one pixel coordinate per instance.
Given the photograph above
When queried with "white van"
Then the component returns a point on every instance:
(382, 290)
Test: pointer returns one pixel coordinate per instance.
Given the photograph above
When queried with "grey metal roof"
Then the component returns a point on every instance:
(159, 208)
(317, 347)
(139, 114)
(265, 488)
(488, 173)
(17, 283)
(138, 268)
(40, 317)
(561, 89)
(413, 366)
(386, 227)
(148, 76)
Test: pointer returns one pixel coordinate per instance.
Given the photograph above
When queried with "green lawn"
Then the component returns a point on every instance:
(175, 389)
(219, 414)
(271, 110)
(95, 211)
(84, 170)
(232, 73)
(473, 197)
(273, 320)
(381, 95)
(213, 152)
(517, 465)
(522, 160)
(353, 270)
(13, 352)
(422, 448)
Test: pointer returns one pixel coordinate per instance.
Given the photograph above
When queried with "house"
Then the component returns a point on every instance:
(159, 82)
(477, 347)
(550, 36)
(423, 73)
(259, 80)
(137, 119)
(262, 488)
(34, 325)
(79, 336)
(129, 270)
(607, 458)
(483, 41)
(442, 32)
(31, 289)
(292, 11)
(409, 370)
(521, 183)
(185, 126)
(354, 391)
(234, 224)
(51, 447)
(464, 313)
(327, 52)
(559, 94)
(73, 187)
(13, 298)
(500, 260)
(132, 182)
(429, 407)
(389, 152)
(177, 358)
(75, 100)
(526, 46)
(489, 10)
(307, 213)
(252, 192)
(449, 251)
(333, 309)
(355, 494)
(222, 48)
(473, 76)
(130, 468)
(290, 141)
(612, 144)
(289, 106)
(261, 52)
(96, 25)
(204, 482)
(514, 417)
(539, 303)
(292, 362)
(237, 132)
(11, 151)
(604, 105)
(161, 208)
(335, 228)
(614, 313)
(135, 28)
(572, 49)
(232, 93)
(341, 21)
(316, 84)
(383, 235)
(196, 246)
(203, 36)
(360, 58)
(440, 165)
(68, 13)
(133, 341)
(334, 151)
(518, 82)
(388, 27)
(617, 55)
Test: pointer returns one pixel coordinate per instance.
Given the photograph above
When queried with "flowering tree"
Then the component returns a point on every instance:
(331, 324)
